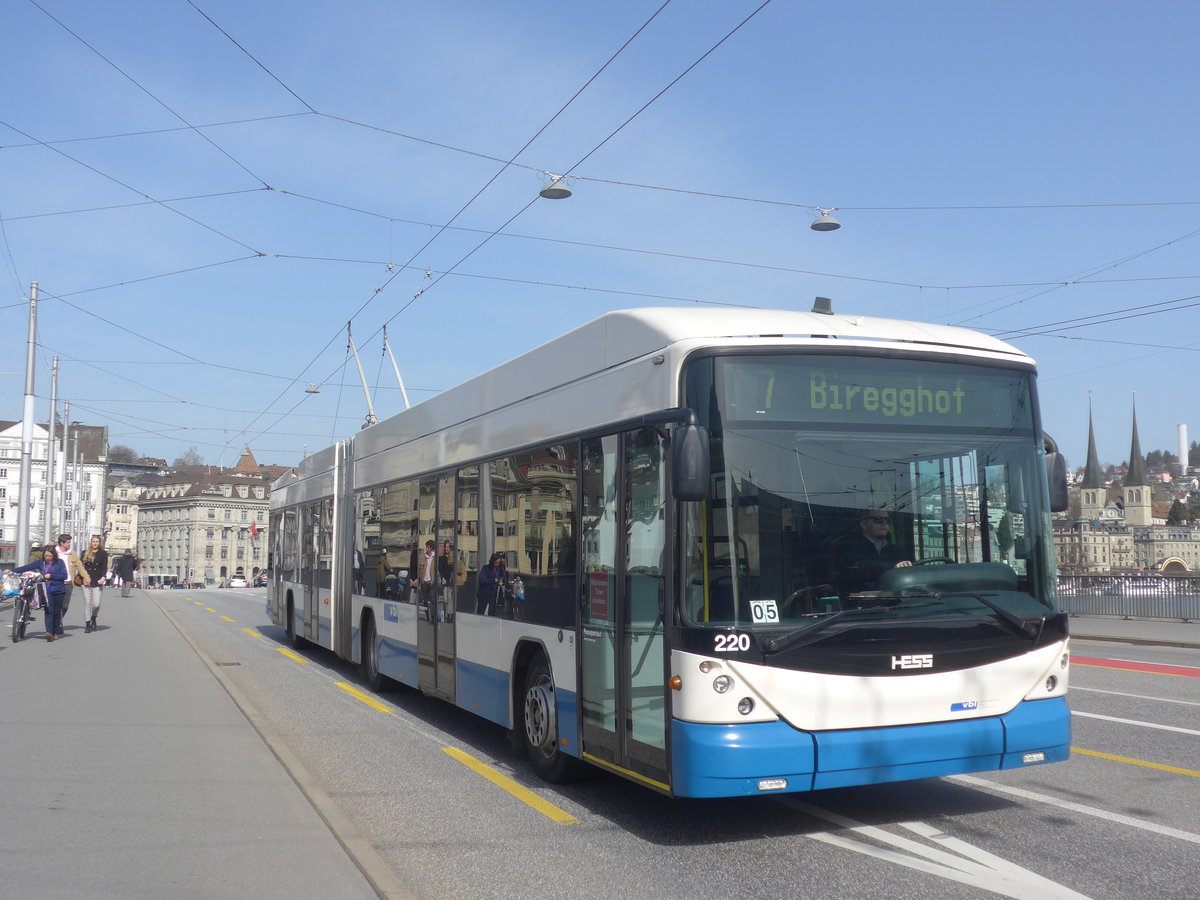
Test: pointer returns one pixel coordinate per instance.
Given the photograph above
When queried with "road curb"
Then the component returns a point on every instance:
(377, 872)
(1145, 642)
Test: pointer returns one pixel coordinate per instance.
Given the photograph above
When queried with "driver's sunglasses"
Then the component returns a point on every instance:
(883, 520)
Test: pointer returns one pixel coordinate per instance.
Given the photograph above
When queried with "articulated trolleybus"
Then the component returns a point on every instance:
(760, 551)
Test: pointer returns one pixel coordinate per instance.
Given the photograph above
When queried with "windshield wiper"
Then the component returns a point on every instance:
(1031, 629)
(795, 638)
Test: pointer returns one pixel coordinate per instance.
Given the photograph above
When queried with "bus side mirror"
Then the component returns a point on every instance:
(1056, 475)
(689, 463)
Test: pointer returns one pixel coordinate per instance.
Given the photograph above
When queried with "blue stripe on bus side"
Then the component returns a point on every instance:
(730, 760)
(484, 691)
(398, 660)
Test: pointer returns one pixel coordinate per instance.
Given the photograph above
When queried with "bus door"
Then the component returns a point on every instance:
(437, 601)
(623, 662)
(309, 536)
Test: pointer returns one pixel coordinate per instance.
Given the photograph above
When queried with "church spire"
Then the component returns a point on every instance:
(1136, 474)
(1092, 476)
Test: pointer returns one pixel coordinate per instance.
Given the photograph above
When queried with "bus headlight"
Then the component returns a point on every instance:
(746, 706)
(1051, 683)
(722, 683)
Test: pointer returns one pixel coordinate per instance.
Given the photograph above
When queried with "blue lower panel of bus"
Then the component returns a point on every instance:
(397, 660)
(485, 692)
(732, 760)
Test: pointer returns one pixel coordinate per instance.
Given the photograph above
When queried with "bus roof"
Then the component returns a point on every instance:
(623, 335)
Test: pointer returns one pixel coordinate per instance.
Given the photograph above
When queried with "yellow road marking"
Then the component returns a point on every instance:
(227, 619)
(209, 609)
(295, 657)
(198, 602)
(251, 632)
(547, 809)
(1137, 762)
(365, 698)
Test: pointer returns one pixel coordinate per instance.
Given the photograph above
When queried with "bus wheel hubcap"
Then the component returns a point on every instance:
(539, 715)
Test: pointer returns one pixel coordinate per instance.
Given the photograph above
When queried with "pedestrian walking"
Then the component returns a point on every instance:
(54, 580)
(124, 568)
(76, 573)
(95, 563)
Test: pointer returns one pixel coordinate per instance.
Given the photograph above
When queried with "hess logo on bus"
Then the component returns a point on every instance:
(913, 661)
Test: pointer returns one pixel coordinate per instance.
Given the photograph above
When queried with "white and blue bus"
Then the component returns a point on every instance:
(761, 551)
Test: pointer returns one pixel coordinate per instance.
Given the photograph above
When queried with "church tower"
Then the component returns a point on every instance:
(1136, 489)
(1092, 494)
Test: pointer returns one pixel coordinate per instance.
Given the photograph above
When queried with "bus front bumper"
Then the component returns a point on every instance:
(770, 757)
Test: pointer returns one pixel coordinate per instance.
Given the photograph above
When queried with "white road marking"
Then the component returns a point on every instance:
(1119, 819)
(1075, 688)
(1076, 712)
(951, 858)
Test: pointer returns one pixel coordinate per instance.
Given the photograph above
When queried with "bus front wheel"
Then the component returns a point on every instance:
(540, 714)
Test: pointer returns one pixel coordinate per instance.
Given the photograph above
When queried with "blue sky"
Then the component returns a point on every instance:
(1013, 167)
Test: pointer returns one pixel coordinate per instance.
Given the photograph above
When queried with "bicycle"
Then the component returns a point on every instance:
(23, 589)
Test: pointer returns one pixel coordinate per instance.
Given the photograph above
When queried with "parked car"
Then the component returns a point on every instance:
(262, 579)
(238, 581)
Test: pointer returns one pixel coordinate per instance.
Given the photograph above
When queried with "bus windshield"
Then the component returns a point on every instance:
(893, 487)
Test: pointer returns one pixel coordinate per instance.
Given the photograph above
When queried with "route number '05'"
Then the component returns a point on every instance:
(731, 643)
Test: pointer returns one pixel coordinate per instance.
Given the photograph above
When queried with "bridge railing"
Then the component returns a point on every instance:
(1131, 596)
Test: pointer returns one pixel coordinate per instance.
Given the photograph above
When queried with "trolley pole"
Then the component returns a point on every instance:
(23, 492)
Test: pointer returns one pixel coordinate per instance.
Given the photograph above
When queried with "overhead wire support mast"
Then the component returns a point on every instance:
(371, 420)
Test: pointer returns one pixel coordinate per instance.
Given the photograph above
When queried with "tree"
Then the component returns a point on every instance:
(190, 458)
(1161, 459)
(119, 453)
(1004, 536)
(1178, 514)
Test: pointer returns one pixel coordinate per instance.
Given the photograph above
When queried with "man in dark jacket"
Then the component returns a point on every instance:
(868, 553)
(124, 568)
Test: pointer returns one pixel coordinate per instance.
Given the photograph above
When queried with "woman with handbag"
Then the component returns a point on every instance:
(53, 586)
(95, 563)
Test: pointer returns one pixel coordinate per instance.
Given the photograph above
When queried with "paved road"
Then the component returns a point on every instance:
(435, 795)
(129, 772)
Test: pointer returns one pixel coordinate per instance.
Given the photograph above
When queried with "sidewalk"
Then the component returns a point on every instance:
(129, 772)
(1136, 631)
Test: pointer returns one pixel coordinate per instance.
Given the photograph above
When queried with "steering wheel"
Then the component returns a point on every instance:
(933, 559)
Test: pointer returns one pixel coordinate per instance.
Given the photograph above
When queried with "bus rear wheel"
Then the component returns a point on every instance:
(294, 639)
(540, 721)
(368, 666)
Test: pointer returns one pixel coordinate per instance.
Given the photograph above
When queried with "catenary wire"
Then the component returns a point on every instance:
(149, 93)
(128, 187)
(396, 274)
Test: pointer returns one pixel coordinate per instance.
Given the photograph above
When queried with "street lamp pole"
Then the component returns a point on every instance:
(23, 491)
